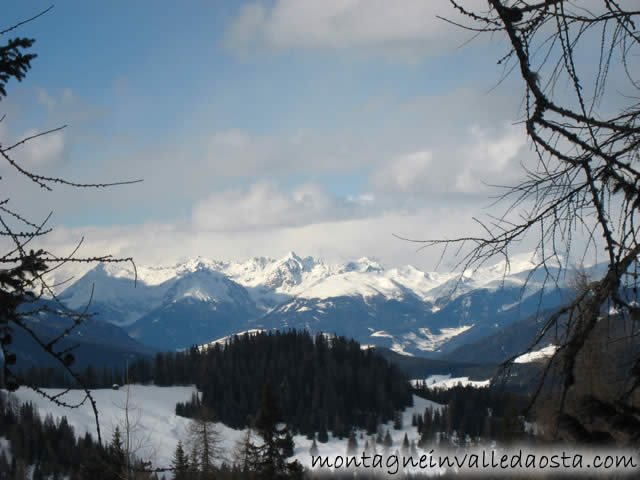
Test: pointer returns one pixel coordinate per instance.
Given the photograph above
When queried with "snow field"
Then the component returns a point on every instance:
(445, 382)
(156, 429)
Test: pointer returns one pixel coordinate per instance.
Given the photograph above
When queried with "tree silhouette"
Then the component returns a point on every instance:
(205, 440)
(586, 177)
(180, 463)
(23, 283)
(277, 444)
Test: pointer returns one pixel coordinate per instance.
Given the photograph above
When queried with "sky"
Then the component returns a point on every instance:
(325, 128)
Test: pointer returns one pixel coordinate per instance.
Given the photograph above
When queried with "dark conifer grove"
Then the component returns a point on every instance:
(322, 384)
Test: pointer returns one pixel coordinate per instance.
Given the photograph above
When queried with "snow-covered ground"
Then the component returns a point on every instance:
(445, 382)
(157, 429)
(537, 355)
(224, 340)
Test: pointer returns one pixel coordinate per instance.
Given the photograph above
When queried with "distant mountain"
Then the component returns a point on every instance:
(93, 342)
(199, 306)
(407, 310)
(516, 338)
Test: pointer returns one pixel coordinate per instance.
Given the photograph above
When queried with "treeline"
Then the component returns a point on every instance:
(49, 449)
(322, 384)
(472, 414)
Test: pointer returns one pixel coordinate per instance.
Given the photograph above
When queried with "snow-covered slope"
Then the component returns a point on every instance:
(445, 382)
(157, 429)
(537, 355)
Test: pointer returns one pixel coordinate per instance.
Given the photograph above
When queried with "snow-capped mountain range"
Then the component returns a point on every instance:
(408, 310)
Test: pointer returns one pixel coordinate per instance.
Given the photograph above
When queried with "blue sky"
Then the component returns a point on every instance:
(259, 128)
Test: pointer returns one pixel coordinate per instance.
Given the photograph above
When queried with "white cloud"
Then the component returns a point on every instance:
(466, 167)
(40, 151)
(264, 205)
(404, 173)
(45, 99)
(332, 240)
(238, 153)
(488, 156)
(408, 28)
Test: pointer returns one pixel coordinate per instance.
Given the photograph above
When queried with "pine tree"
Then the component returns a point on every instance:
(180, 463)
(313, 450)
(116, 454)
(323, 435)
(372, 445)
(194, 462)
(405, 445)
(21, 470)
(414, 450)
(277, 441)
(352, 444)
(397, 420)
(37, 473)
(5, 468)
(387, 442)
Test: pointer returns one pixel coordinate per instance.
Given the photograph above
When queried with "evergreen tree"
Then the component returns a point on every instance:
(180, 463)
(277, 441)
(313, 450)
(397, 420)
(414, 450)
(323, 435)
(372, 445)
(5, 467)
(387, 442)
(352, 444)
(116, 455)
(21, 471)
(194, 462)
(37, 473)
(420, 422)
(287, 445)
(405, 445)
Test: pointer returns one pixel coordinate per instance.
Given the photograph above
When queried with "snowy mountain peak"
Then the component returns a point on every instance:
(291, 255)
(294, 262)
(269, 282)
(200, 298)
(364, 265)
(202, 284)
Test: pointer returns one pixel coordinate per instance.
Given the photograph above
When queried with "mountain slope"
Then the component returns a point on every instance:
(93, 342)
(197, 307)
(407, 310)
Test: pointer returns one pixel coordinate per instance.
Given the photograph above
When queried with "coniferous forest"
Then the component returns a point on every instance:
(323, 383)
(49, 449)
